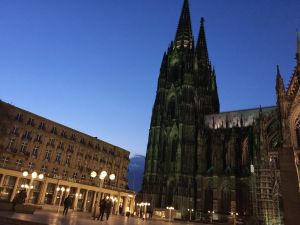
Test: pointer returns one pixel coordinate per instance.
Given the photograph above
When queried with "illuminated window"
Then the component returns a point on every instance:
(19, 163)
(23, 147)
(31, 166)
(35, 151)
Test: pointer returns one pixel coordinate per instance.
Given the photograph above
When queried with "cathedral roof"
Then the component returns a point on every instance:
(244, 117)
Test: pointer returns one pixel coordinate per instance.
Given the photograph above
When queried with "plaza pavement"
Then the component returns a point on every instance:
(80, 218)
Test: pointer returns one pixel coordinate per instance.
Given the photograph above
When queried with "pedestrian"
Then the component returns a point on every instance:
(67, 205)
(108, 207)
(102, 206)
(19, 198)
(120, 209)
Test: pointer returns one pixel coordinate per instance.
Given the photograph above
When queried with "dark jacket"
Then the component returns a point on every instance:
(102, 205)
(67, 202)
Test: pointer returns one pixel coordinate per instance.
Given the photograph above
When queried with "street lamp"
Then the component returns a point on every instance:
(190, 211)
(170, 208)
(211, 215)
(62, 189)
(34, 175)
(114, 200)
(139, 210)
(234, 216)
(102, 176)
(145, 204)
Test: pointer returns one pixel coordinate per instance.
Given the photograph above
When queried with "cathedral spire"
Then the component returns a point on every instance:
(201, 49)
(184, 34)
(279, 83)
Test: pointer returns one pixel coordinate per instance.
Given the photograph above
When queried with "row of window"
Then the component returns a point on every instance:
(63, 133)
(23, 149)
(44, 169)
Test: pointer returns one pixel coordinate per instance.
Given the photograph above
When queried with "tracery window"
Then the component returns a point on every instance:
(298, 130)
(172, 109)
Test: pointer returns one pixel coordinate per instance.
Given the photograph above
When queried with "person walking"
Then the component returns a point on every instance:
(67, 205)
(102, 205)
(19, 199)
(108, 207)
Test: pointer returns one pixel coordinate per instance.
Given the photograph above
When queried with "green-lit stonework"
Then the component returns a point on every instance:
(200, 158)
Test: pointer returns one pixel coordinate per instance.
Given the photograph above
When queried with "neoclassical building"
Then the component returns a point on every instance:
(64, 156)
(199, 158)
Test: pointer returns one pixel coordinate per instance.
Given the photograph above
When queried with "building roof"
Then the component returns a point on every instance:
(61, 126)
(244, 117)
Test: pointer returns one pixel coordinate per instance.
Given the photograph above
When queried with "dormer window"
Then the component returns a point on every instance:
(19, 117)
(30, 122)
(42, 126)
(54, 130)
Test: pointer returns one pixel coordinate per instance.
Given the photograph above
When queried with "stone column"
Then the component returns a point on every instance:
(85, 200)
(55, 195)
(118, 205)
(43, 192)
(2, 180)
(94, 199)
(125, 205)
(67, 193)
(132, 204)
(15, 189)
(76, 199)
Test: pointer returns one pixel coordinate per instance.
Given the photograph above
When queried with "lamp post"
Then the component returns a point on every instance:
(113, 199)
(211, 215)
(145, 204)
(190, 211)
(62, 189)
(170, 208)
(234, 216)
(139, 209)
(102, 176)
(33, 175)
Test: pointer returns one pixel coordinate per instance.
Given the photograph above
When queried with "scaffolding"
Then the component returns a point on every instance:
(266, 192)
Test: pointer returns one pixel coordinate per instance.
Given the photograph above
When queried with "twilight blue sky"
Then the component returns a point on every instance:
(93, 64)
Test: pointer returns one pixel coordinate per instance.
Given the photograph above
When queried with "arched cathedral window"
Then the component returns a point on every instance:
(298, 130)
(172, 109)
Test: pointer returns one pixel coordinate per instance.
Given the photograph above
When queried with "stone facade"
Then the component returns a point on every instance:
(66, 157)
(200, 158)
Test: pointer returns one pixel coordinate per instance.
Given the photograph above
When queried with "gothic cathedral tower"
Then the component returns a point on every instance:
(186, 92)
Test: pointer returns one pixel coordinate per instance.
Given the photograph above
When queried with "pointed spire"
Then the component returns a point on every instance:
(215, 96)
(184, 34)
(279, 83)
(201, 48)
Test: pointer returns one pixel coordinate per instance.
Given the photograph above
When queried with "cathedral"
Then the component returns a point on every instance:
(222, 162)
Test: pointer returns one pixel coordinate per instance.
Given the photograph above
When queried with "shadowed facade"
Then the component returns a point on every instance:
(200, 158)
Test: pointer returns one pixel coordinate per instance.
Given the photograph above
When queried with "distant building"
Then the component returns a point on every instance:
(198, 158)
(135, 172)
(66, 157)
